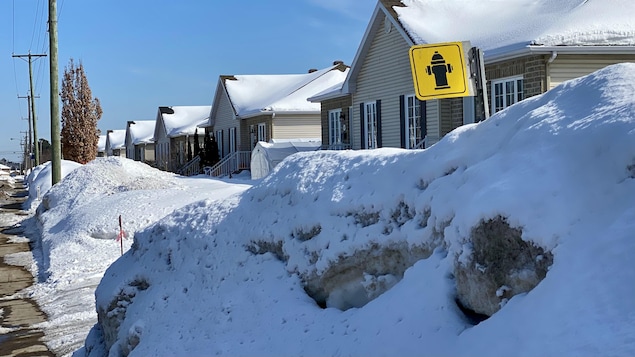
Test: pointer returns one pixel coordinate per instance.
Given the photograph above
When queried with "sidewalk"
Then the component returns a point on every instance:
(18, 314)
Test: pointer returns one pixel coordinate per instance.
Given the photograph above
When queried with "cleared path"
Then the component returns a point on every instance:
(18, 314)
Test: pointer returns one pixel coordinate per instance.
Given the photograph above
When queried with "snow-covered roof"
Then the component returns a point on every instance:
(116, 139)
(501, 26)
(255, 94)
(141, 131)
(101, 143)
(333, 91)
(183, 120)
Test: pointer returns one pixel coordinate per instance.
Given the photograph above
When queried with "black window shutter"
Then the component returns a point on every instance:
(424, 118)
(362, 129)
(378, 109)
(402, 120)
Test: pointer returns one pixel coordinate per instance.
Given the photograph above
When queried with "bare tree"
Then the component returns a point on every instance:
(80, 113)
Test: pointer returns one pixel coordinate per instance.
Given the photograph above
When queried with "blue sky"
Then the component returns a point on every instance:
(142, 54)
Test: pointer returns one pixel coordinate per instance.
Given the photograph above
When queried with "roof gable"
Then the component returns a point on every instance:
(385, 9)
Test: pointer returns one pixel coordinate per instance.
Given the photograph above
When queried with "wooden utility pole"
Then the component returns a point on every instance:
(29, 143)
(32, 102)
(56, 145)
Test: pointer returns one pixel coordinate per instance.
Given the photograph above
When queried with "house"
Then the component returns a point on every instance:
(529, 48)
(174, 134)
(101, 146)
(116, 143)
(252, 108)
(5, 170)
(139, 140)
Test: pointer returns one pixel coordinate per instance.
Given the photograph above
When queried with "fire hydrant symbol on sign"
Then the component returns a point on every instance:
(440, 69)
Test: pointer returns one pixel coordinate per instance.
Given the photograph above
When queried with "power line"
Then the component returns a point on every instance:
(37, 11)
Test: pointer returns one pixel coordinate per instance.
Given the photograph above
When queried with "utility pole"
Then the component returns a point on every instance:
(29, 143)
(56, 145)
(32, 102)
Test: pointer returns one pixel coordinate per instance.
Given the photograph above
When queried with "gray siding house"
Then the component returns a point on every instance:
(174, 132)
(139, 140)
(378, 95)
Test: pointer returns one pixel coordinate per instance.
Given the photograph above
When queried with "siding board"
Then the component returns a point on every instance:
(567, 67)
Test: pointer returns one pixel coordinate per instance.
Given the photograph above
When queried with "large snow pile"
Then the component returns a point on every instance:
(77, 223)
(233, 277)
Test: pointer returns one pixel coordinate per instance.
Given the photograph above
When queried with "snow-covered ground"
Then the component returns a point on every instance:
(560, 166)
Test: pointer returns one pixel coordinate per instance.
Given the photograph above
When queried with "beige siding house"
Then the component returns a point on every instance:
(541, 49)
(252, 108)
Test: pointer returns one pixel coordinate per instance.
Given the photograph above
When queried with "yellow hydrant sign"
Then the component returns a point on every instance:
(440, 70)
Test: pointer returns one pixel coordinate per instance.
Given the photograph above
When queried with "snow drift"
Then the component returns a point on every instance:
(247, 275)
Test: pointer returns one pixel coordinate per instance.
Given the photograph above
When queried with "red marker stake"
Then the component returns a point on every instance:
(121, 234)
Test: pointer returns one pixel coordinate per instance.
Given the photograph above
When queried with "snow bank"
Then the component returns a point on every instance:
(77, 228)
(229, 277)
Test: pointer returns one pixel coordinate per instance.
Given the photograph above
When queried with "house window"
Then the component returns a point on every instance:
(219, 142)
(181, 152)
(414, 131)
(232, 139)
(335, 129)
(262, 132)
(506, 92)
(370, 124)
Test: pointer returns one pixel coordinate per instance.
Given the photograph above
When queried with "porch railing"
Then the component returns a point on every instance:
(234, 162)
(337, 146)
(193, 167)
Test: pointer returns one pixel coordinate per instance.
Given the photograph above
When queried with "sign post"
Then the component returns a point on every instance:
(441, 70)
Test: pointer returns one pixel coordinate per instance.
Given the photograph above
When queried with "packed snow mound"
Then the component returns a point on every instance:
(96, 183)
(232, 277)
(39, 181)
(77, 234)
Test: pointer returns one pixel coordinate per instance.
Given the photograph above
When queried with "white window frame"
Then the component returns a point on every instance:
(262, 132)
(335, 127)
(505, 92)
(412, 111)
(232, 140)
(219, 142)
(370, 124)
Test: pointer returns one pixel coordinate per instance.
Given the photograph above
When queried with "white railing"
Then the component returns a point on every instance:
(193, 167)
(234, 162)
